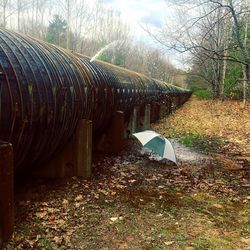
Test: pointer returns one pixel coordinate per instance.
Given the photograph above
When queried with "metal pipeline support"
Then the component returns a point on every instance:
(46, 90)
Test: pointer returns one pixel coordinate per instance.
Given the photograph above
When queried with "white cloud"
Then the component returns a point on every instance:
(136, 12)
(151, 14)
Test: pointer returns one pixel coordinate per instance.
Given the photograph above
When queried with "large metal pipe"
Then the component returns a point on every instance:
(45, 90)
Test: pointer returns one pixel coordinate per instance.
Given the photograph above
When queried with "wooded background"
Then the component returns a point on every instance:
(214, 36)
(85, 28)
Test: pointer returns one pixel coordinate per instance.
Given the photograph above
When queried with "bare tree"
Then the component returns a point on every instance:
(245, 67)
(151, 62)
(203, 33)
(6, 11)
(87, 29)
(21, 6)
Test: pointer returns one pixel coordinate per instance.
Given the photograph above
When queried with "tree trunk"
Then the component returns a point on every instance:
(37, 15)
(18, 14)
(245, 68)
(244, 50)
(68, 28)
(226, 43)
(32, 20)
(4, 13)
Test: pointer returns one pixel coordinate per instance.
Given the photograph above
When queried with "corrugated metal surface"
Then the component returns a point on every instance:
(45, 90)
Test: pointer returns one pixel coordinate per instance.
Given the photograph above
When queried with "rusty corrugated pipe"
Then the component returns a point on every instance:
(45, 90)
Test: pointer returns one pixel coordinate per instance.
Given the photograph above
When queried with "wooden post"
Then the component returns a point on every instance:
(83, 148)
(6, 192)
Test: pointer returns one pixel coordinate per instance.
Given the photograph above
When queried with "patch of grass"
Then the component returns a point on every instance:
(175, 133)
(173, 211)
(202, 243)
(202, 93)
(202, 143)
(161, 247)
(24, 229)
(180, 238)
(45, 244)
(132, 229)
(165, 232)
(245, 211)
(244, 231)
(190, 139)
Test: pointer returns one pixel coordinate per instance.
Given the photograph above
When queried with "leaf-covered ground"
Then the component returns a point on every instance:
(223, 122)
(132, 202)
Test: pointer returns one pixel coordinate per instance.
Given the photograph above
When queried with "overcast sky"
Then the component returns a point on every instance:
(150, 12)
(147, 13)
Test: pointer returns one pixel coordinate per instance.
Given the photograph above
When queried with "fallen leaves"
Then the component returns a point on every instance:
(58, 240)
(65, 202)
(79, 198)
(219, 206)
(225, 120)
(169, 243)
(132, 202)
(41, 214)
(115, 219)
(51, 218)
(113, 193)
(132, 181)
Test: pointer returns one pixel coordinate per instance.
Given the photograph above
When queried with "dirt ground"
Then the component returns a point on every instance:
(132, 202)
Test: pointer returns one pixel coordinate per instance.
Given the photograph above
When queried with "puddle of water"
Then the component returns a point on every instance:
(188, 155)
(183, 154)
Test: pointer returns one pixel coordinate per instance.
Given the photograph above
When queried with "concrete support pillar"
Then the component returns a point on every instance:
(133, 123)
(117, 132)
(134, 120)
(75, 159)
(163, 110)
(146, 120)
(83, 148)
(114, 140)
(6, 192)
(140, 119)
(154, 112)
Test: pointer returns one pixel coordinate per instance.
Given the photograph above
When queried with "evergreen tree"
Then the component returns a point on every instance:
(57, 31)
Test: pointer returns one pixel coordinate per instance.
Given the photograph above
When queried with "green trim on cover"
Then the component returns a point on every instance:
(157, 144)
